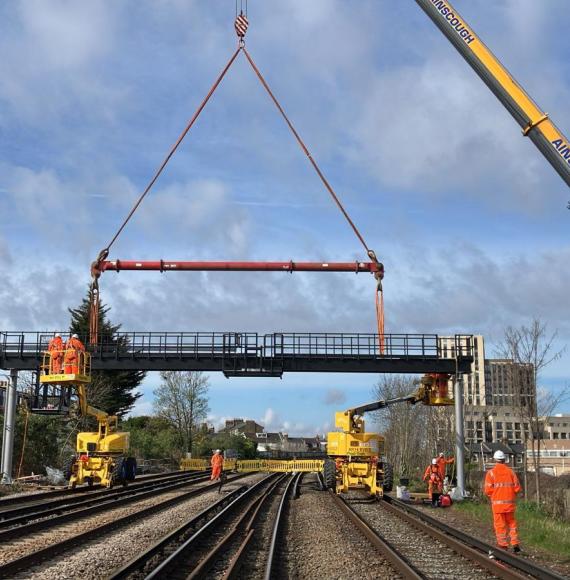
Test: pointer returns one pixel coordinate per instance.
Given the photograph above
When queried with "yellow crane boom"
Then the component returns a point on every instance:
(534, 122)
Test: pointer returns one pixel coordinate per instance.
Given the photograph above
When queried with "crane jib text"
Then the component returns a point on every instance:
(562, 148)
(455, 22)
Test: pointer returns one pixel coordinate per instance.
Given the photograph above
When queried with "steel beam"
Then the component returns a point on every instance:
(170, 266)
(9, 427)
(459, 435)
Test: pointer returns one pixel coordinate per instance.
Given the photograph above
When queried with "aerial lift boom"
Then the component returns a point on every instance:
(534, 122)
(357, 456)
(100, 455)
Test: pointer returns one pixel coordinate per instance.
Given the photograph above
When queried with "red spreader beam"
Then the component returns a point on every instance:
(166, 266)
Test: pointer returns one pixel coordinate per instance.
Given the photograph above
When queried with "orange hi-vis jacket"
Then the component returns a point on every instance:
(217, 463)
(55, 344)
(441, 463)
(502, 486)
(74, 344)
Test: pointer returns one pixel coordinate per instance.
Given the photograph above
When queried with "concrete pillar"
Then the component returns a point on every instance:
(459, 435)
(9, 427)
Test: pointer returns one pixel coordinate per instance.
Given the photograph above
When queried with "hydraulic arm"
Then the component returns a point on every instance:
(357, 457)
(533, 121)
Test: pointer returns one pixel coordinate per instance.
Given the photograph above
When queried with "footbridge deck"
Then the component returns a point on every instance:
(254, 354)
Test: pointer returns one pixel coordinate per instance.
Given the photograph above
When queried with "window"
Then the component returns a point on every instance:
(555, 435)
(499, 424)
(563, 435)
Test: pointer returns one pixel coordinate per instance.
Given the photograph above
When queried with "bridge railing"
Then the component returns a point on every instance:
(230, 345)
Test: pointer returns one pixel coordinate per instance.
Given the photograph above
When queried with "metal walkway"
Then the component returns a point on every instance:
(253, 354)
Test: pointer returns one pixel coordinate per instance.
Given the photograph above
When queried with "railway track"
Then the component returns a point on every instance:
(228, 539)
(7, 503)
(419, 547)
(80, 537)
(31, 518)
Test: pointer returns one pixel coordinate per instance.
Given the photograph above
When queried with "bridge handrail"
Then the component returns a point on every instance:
(244, 344)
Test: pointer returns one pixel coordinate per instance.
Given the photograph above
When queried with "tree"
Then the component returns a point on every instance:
(111, 391)
(404, 426)
(182, 399)
(531, 349)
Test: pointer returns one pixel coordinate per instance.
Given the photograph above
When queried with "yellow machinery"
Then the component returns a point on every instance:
(356, 457)
(100, 455)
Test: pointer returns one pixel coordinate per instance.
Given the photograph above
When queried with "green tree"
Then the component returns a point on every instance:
(182, 399)
(245, 448)
(152, 438)
(111, 391)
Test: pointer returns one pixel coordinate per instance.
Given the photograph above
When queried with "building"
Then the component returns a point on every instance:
(274, 443)
(554, 456)
(241, 427)
(556, 427)
(482, 454)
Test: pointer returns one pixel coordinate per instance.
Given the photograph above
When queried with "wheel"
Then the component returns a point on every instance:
(388, 478)
(131, 468)
(67, 467)
(119, 472)
(329, 474)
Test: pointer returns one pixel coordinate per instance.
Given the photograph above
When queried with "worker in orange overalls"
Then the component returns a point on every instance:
(72, 349)
(217, 463)
(441, 463)
(55, 348)
(502, 486)
(435, 483)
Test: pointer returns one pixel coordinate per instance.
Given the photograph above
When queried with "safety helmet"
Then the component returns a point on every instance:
(57, 335)
(434, 461)
(217, 451)
(499, 455)
(74, 336)
(441, 454)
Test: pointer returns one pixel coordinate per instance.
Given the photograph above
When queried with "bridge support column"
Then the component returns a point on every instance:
(9, 427)
(459, 435)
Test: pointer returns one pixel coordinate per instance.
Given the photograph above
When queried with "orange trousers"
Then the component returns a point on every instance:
(216, 472)
(71, 365)
(56, 363)
(505, 526)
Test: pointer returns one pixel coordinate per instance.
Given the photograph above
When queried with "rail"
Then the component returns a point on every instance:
(236, 353)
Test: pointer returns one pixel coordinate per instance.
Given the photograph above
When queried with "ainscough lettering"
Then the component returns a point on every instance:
(454, 21)
(563, 148)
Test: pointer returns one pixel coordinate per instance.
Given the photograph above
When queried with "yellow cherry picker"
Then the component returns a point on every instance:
(101, 456)
(356, 458)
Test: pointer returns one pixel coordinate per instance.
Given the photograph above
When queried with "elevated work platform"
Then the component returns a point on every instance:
(253, 354)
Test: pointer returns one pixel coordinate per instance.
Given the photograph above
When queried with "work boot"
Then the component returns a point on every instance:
(516, 549)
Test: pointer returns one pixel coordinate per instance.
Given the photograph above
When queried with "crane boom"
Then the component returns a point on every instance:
(534, 122)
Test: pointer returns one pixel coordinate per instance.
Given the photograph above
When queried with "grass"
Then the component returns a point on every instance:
(535, 528)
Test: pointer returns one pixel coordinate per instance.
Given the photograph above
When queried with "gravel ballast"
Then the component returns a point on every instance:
(323, 544)
(115, 549)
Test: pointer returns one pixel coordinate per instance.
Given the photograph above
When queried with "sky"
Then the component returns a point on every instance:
(467, 216)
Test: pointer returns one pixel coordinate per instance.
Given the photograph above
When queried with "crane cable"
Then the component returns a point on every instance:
(241, 24)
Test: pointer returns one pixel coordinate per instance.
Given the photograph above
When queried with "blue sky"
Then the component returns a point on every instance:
(467, 216)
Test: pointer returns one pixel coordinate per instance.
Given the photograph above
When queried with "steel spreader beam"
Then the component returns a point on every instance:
(170, 266)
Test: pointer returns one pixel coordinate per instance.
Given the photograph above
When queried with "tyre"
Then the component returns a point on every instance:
(67, 468)
(131, 468)
(119, 472)
(388, 478)
(329, 474)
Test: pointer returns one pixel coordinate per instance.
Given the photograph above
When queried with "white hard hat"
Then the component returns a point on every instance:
(499, 455)
(441, 454)
(434, 461)
(57, 335)
(74, 336)
(217, 451)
